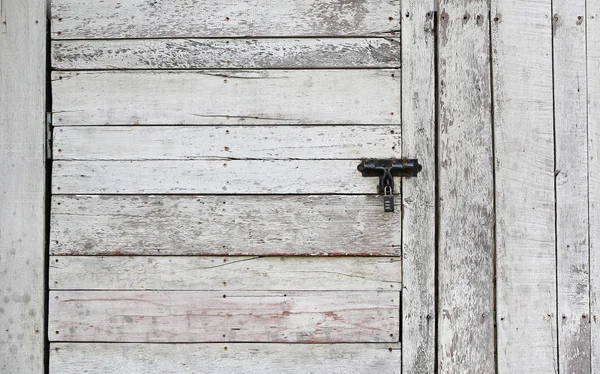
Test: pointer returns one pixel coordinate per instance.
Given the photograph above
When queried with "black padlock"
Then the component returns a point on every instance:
(388, 200)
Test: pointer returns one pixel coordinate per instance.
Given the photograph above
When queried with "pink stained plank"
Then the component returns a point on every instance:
(204, 316)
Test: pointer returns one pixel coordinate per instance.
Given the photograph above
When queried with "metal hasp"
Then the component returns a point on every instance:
(386, 170)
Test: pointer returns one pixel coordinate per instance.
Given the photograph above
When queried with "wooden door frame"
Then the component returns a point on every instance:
(22, 186)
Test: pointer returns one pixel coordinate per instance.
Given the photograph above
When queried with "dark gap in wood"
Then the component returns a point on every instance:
(436, 57)
(236, 69)
(48, 193)
(106, 342)
(556, 257)
(193, 194)
(206, 158)
(495, 235)
(226, 126)
(391, 34)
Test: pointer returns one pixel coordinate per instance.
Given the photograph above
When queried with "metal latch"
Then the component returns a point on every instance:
(386, 170)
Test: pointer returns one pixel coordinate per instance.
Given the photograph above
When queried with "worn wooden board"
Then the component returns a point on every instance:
(466, 190)
(228, 225)
(73, 19)
(216, 273)
(593, 90)
(211, 177)
(571, 181)
(524, 171)
(22, 185)
(236, 142)
(418, 203)
(330, 96)
(234, 358)
(231, 316)
(226, 53)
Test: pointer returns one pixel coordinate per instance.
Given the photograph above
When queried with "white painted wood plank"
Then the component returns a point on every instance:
(239, 316)
(231, 225)
(593, 91)
(237, 142)
(524, 165)
(80, 19)
(226, 53)
(466, 190)
(228, 97)
(234, 358)
(22, 185)
(217, 273)
(418, 202)
(571, 183)
(211, 177)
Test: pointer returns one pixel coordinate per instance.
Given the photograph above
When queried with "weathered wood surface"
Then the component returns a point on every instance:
(524, 172)
(593, 91)
(234, 358)
(571, 183)
(236, 142)
(331, 96)
(418, 204)
(225, 273)
(213, 316)
(226, 53)
(211, 177)
(231, 225)
(466, 190)
(22, 185)
(79, 19)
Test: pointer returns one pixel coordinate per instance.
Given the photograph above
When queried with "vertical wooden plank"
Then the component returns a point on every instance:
(418, 225)
(571, 182)
(593, 90)
(466, 190)
(22, 85)
(524, 170)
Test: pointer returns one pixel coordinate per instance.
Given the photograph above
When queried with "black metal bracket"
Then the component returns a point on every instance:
(386, 170)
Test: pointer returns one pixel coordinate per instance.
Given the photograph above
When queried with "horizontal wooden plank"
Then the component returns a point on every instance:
(211, 177)
(80, 19)
(209, 142)
(225, 273)
(226, 53)
(223, 225)
(234, 358)
(213, 316)
(334, 96)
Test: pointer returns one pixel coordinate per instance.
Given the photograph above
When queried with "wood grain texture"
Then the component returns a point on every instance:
(593, 90)
(116, 358)
(232, 316)
(231, 225)
(22, 185)
(227, 97)
(524, 165)
(466, 191)
(211, 177)
(73, 19)
(236, 142)
(216, 273)
(418, 204)
(226, 53)
(571, 182)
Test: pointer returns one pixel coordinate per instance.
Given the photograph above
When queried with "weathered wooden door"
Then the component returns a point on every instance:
(205, 186)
